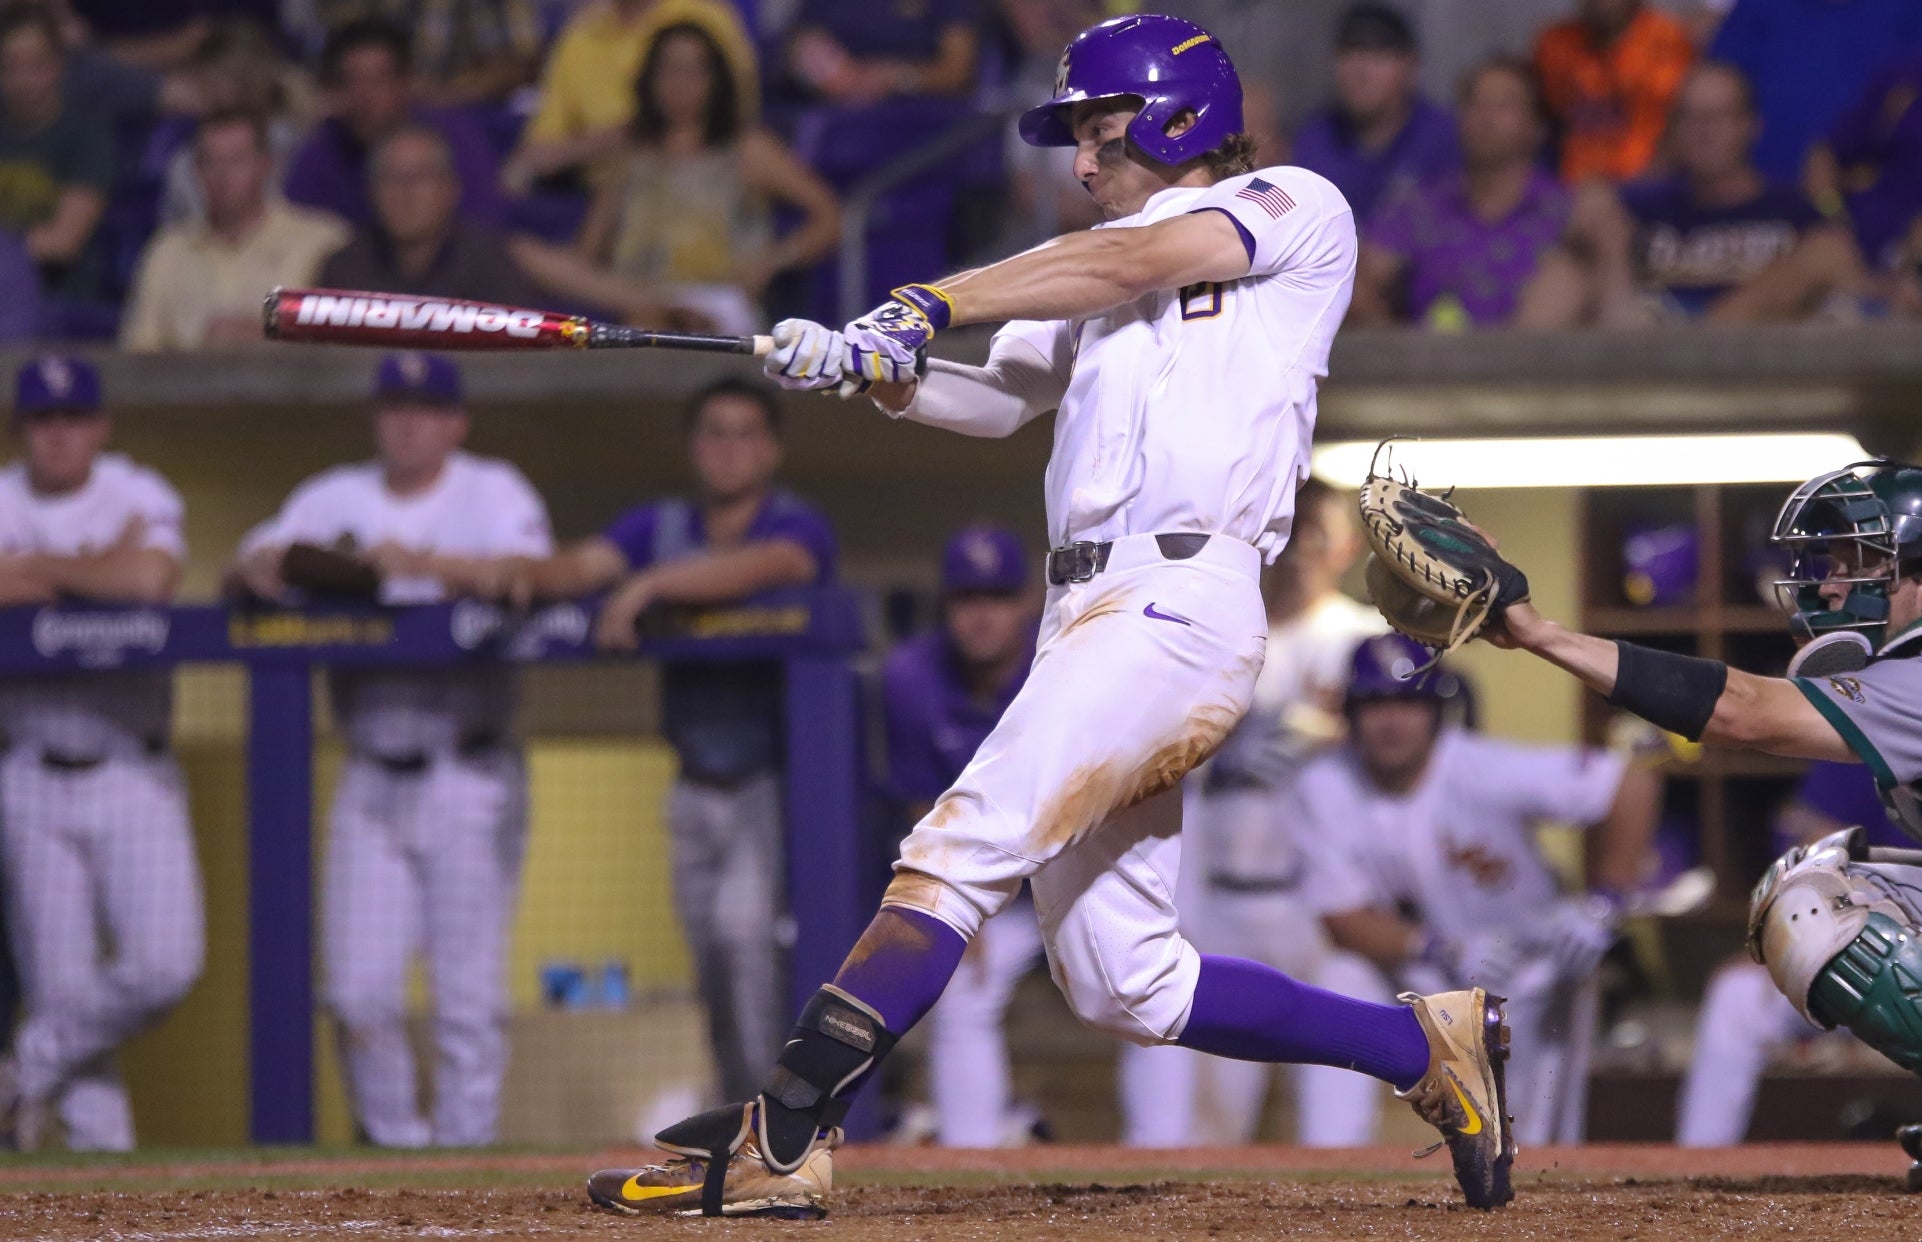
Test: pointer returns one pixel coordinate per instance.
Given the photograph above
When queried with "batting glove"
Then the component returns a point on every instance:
(806, 356)
(889, 344)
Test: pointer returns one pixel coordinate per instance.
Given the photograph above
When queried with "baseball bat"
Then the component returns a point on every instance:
(404, 321)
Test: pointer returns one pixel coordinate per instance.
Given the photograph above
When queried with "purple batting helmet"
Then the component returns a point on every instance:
(1384, 668)
(1171, 65)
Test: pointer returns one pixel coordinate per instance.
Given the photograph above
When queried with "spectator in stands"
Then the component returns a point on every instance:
(1380, 136)
(861, 52)
(1458, 252)
(429, 822)
(587, 88)
(740, 533)
(104, 912)
(689, 206)
(200, 283)
(1716, 242)
(422, 243)
(56, 155)
(239, 69)
(365, 71)
(1807, 63)
(465, 51)
(1870, 166)
(1609, 76)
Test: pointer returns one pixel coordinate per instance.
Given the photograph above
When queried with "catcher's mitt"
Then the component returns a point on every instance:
(1434, 577)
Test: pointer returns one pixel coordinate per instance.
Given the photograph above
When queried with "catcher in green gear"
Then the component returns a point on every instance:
(1838, 924)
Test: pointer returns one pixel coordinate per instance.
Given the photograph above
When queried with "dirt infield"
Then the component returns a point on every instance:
(1066, 1193)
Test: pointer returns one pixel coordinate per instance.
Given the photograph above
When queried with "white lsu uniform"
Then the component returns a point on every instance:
(1184, 413)
(1458, 853)
(429, 819)
(1244, 896)
(94, 828)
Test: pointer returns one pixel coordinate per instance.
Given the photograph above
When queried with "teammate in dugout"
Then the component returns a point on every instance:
(1180, 345)
(1839, 928)
(429, 819)
(103, 896)
(1422, 857)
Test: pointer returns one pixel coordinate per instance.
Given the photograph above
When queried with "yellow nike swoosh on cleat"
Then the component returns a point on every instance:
(633, 1190)
(1474, 1124)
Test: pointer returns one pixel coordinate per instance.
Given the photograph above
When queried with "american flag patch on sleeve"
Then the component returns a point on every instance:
(1270, 198)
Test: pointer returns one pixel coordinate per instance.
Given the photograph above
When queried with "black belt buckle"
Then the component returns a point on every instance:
(1074, 562)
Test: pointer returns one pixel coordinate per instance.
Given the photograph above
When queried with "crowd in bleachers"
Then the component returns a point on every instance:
(685, 162)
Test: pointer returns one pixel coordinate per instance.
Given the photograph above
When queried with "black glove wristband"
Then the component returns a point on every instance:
(1673, 692)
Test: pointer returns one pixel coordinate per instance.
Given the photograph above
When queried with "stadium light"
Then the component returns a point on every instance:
(1598, 461)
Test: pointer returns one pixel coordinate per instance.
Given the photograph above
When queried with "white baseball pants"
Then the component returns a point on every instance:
(1139, 675)
(105, 850)
(427, 863)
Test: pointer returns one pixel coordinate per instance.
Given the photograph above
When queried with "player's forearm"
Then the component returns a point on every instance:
(1595, 661)
(988, 401)
(1070, 277)
(1616, 850)
(20, 584)
(120, 575)
(723, 577)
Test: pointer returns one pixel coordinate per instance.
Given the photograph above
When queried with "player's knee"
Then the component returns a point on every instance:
(363, 1005)
(1123, 1013)
(166, 984)
(1143, 1002)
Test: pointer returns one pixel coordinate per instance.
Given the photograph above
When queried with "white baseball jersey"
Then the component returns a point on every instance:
(1192, 409)
(479, 507)
(1459, 848)
(92, 714)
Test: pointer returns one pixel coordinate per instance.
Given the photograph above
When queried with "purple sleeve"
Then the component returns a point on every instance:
(914, 766)
(809, 529)
(633, 534)
(479, 169)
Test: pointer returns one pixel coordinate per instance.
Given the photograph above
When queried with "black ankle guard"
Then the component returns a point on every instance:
(713, 1136)
(834, 1044)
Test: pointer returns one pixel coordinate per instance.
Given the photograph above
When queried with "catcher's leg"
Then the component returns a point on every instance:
(1843, 941)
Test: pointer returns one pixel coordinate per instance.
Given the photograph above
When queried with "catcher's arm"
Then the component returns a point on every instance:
(1749, 712)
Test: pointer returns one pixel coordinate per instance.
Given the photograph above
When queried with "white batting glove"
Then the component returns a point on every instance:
(806, 356)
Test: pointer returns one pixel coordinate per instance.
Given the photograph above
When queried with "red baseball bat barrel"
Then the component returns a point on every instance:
(405, 321)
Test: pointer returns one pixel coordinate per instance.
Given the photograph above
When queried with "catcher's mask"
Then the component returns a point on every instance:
(1860, 526)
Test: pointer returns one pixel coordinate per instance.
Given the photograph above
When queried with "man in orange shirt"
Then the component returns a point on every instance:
(1608, 78)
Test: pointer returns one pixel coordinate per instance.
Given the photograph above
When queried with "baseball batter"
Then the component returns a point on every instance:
(1838, 924)
(1180, 346)
(429, 818)
(102, 885)
(1419, 837)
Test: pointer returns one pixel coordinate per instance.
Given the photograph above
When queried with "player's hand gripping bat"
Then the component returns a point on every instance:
(404, 321)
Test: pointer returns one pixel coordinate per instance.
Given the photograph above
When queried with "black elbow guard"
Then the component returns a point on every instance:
(1673, 692)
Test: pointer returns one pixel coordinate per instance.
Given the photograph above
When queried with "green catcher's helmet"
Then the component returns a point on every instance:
(1859, 525)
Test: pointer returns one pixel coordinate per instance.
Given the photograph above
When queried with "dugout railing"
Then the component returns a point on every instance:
(812, 634)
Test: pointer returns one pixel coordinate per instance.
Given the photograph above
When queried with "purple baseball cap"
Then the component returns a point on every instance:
(55, 382)
(418, 379)
(984, 560)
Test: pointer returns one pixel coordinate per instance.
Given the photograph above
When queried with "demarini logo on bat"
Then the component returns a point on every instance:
(416, 314)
